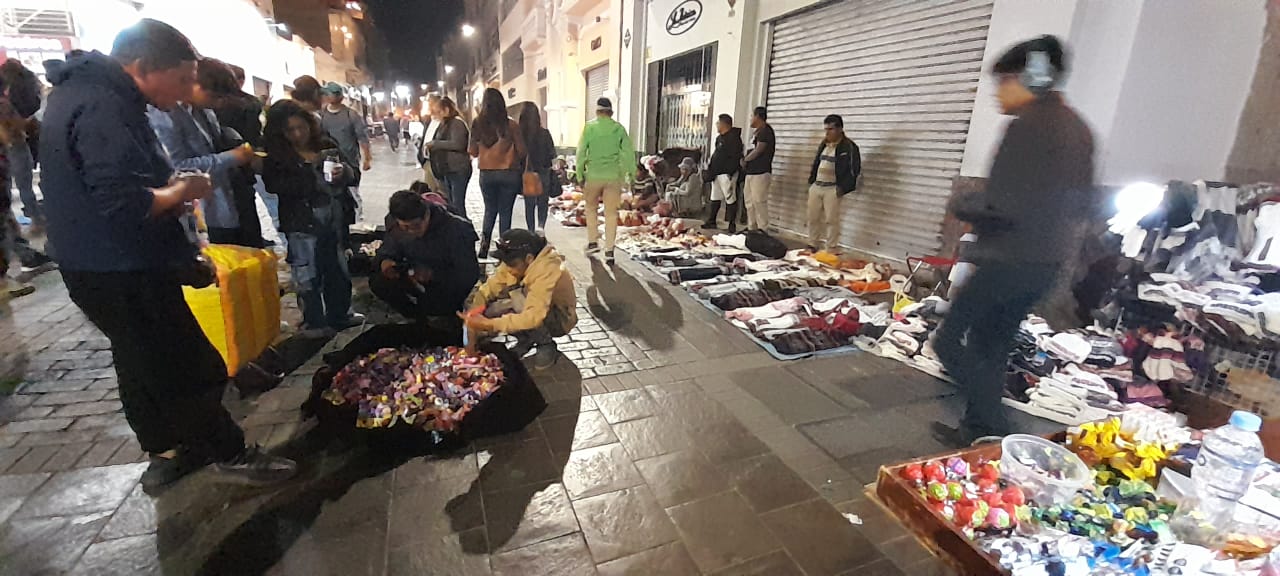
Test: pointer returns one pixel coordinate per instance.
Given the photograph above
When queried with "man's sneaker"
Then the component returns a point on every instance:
(545, 357)
(710, 225)
(256, 468)
(592, 247)
(308, 333)
(521, 347)
(608, 257)
(10, 289)
(37, 264)
(165, 471)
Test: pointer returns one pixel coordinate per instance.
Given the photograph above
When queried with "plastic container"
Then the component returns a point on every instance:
(1228, 458)
(1046, 472)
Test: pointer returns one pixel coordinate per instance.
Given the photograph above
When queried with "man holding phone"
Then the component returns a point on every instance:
(427, 264)
(113, 206)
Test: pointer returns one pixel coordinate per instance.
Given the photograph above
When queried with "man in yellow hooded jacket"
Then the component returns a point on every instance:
(530, 296)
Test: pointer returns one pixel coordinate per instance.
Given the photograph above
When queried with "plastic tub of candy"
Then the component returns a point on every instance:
(1048, 473)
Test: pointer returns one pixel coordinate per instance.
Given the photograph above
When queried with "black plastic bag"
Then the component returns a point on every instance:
(509, 409)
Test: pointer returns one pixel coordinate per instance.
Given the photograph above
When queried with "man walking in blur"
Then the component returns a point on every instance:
(758, 167)
(113, 205)
(391, 125)
(834, 174)
(346, 128)
(606, 159)
(1027, 220)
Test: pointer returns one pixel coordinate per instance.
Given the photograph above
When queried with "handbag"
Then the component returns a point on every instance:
(532, 185)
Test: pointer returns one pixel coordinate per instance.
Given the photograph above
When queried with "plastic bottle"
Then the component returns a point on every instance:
(1228, 457)
(330, 163)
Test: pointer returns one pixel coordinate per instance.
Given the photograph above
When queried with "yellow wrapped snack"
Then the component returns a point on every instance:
(241, 313)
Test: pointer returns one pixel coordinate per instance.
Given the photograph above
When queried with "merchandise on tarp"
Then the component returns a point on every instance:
(364, 247)
(240, 314)
(471, 396)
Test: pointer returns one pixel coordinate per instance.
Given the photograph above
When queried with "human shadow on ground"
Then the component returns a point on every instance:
(523, 464)
(620, 302)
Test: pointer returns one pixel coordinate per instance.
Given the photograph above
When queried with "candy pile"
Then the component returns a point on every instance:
(1114, 453)
(974, 498)
(1120, 514)
(433, 388)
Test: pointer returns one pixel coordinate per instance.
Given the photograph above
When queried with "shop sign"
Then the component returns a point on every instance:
(684, 17)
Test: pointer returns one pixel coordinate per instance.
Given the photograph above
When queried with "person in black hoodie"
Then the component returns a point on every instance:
(427, 263)
(1039, 191)
(722, 171)
(835, 172)
(113, 205)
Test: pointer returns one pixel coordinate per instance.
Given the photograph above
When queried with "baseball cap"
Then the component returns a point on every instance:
(604, 105)
(332, 88)
(516, 243)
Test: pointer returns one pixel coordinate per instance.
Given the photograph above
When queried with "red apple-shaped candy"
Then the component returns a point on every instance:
(1013, 495)
(913, 473)
(989, 471)
(935, 472)
(993, 499)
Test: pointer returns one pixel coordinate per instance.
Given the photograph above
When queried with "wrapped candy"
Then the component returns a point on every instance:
(433, 389)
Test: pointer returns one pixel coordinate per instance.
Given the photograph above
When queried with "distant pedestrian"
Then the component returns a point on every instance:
(391, 125)
(450, 164)
(113, 203)
(22, 89)
(542, 152)
(835, 172)
(497, 142)
(722, 171)
(306, 171)
(606, 160)
(1039, 192)
(431, 123)
(758, 167)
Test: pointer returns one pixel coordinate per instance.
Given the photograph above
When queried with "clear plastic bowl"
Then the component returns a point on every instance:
(1029, 461)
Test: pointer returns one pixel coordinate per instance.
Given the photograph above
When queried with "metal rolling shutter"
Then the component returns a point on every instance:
(902, 74)
(597, 85)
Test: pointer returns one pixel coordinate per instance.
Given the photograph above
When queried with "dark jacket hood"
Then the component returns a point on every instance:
(97, 69)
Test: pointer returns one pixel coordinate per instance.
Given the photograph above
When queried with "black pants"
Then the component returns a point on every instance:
(246, 202)
(986, 316)
(406, 298)
(171, 377)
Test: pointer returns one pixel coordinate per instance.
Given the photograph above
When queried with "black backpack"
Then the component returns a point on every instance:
(24, 94)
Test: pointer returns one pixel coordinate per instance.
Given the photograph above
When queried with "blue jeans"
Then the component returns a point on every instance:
(319, 265)
(539, 204)
(499, 189)
(21, 167)
(454, 190)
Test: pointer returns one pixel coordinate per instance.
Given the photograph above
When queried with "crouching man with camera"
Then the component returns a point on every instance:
(427, 263)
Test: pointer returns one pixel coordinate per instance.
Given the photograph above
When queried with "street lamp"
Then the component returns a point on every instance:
(448, 69)
(402, 91)
(440, 83)
(468, 30)
(424, 86)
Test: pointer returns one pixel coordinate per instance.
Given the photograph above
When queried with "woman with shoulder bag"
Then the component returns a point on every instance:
(306, 172)
(542, 152)
(500, 148)
(449, 160)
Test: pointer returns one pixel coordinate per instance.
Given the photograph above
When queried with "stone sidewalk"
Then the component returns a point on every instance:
(672, 445)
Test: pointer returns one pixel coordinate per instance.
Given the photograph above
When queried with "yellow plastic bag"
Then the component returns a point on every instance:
(241, 313)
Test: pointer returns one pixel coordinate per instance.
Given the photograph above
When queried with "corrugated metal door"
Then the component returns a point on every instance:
(903, 75)
(597, 85)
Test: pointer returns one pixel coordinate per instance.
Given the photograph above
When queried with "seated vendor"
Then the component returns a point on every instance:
(686, 185)
(644, 192)
(427, 263)
(530, 297)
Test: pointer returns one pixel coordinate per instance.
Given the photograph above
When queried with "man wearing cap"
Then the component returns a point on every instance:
(347, 129)
(530, 297)
(606, 159)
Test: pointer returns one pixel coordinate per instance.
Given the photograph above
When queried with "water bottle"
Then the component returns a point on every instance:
(1225, 466)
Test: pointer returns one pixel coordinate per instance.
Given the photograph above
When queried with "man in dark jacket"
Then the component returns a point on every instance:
(1039, 190)
(113, 205)
(427, 263)
(835, 173)
(721, 172)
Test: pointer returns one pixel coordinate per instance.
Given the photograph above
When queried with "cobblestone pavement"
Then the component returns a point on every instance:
(672, 445)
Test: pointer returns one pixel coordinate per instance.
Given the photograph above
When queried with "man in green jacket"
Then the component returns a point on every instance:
(606, 160)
